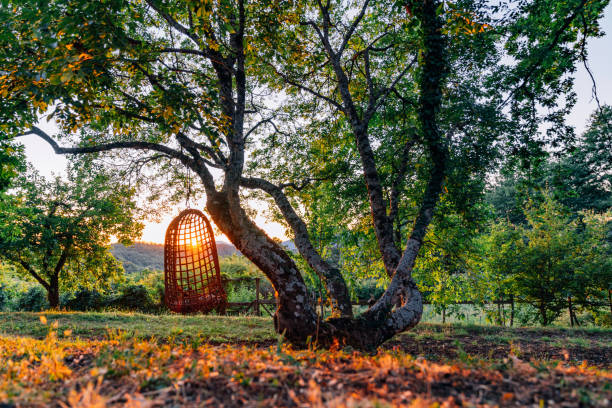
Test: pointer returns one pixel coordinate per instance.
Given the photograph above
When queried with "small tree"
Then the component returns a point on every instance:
(554, 262)
(548, 251)
(58, 231)
(596, 261)
(497, 263)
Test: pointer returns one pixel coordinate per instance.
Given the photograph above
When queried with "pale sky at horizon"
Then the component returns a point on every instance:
(41, 156)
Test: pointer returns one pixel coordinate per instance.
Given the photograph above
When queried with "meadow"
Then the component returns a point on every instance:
(77, 359)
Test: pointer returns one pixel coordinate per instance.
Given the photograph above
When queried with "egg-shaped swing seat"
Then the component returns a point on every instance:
(191, 266)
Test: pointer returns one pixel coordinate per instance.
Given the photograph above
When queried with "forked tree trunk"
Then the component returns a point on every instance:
(295, 316)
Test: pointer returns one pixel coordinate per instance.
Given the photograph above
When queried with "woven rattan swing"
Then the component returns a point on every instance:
(191, 266)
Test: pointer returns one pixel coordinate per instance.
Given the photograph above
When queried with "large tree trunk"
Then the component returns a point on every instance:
(53, 293)
(295, 316)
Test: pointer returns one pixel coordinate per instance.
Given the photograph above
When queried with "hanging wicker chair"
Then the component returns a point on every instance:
(191, 266)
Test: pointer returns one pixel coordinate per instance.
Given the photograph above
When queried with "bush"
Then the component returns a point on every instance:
(240, 293)
(34, 300)
(85, 300)
(134, 297)
(236, 267)
(602, 317)
(4, 297)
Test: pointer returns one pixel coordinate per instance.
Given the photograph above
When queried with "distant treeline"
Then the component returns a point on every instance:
(140, 256)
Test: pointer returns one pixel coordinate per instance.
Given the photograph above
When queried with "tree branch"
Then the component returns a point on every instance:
(109, 146)
(377, 101)
(173, 23)
(183, 51)
(62, 259)
(532, 68)
(334, 282)
(352, 28)
(309, 90)
(261, 122)
(32, 272)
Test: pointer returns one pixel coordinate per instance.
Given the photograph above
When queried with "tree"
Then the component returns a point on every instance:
(58, 231)
(495, 264)
(553, 262)
(188, 82)
(583, 179)
(596, 261)
(579, 176)
(11, 162)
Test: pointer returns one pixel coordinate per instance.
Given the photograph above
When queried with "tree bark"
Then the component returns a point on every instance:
(543, 314)
(571, 313)
(295, 316)
(53, 292)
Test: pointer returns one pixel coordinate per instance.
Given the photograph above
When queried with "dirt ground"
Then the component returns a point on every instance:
(431, 366)
(529, 344)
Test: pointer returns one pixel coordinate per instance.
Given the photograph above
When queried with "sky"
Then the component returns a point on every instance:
(42, 157)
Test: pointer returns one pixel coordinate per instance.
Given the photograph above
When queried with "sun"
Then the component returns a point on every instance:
(192, 243)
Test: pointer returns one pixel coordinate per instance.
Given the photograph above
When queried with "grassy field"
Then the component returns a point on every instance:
(93, 325)
(136, 360)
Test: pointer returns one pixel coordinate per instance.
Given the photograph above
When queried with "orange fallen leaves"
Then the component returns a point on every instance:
(130, 372)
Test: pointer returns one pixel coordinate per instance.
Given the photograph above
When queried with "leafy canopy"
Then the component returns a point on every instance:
(60, 229)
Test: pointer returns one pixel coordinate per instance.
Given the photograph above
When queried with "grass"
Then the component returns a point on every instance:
(219, 329)
(132, 359)
(94, 325)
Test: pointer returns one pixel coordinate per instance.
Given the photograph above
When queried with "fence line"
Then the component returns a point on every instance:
(270, 304)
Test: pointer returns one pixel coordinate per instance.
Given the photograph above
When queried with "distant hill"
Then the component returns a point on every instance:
(289, 246)
(151, 256)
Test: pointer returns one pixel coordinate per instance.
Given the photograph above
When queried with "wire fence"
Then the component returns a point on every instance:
(265, 303)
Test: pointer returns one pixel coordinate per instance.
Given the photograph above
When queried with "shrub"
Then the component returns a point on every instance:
(4, 297)
(33, 300)
(134, 297)
(240, 293)
(602, 317)
(84, 300)
(236, 267)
